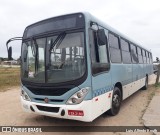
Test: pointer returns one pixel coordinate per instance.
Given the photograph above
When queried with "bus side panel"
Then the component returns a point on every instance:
(127, 85)
(101, 104)
(122, 73)
(149, 69)
(101, 85)
(144, 70)
(137, 75)
(142, 75)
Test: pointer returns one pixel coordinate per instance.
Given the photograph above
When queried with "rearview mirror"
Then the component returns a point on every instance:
(10, 53)
(10, 48)
(101, 37)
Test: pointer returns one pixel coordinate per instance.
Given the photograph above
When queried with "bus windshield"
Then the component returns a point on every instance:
(54, 59)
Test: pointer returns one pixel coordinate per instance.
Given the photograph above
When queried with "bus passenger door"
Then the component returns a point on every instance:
(101, 77)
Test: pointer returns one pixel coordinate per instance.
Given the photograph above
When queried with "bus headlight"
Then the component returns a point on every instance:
(78, 96)
(25, 95)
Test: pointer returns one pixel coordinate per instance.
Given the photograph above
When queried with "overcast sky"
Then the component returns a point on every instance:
(137, 19)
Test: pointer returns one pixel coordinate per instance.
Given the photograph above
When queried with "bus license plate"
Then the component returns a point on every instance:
(75, 113)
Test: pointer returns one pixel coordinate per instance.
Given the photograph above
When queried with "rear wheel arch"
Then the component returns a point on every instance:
(119, 85)
(116, 100)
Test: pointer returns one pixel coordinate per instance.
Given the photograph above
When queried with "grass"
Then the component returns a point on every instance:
(157, 85)
(151, 95)
(9, 77)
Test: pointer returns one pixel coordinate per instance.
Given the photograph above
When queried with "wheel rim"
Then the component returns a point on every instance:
(116, 101)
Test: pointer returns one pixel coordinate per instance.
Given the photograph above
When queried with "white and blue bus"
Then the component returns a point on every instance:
(76, 67)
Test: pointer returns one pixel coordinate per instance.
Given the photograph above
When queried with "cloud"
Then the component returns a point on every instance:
(139, 20)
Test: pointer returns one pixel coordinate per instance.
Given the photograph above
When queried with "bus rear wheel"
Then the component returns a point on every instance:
(146, 84)
(116, 102)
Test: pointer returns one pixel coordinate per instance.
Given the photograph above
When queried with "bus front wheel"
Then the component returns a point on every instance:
(116, 102)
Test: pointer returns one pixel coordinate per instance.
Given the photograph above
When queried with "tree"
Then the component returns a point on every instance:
(157, 59)
(158, 71)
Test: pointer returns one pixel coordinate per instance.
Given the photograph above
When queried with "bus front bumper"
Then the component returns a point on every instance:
(81, 112)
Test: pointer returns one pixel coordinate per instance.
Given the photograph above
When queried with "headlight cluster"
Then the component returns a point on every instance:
(78, 96)
(25, 96)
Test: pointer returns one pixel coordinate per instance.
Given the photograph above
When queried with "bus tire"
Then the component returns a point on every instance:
(146, 84)
(116, 102)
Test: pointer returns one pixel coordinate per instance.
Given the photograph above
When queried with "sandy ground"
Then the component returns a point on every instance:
(132, 110)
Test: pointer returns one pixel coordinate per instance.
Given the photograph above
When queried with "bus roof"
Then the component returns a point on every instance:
(90, 17)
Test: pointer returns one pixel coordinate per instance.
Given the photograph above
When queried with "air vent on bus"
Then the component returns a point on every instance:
(52, 100)
(48, 109)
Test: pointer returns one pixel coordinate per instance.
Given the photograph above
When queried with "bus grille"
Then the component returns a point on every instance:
(52, 100)
(48, 91)
(48, 109)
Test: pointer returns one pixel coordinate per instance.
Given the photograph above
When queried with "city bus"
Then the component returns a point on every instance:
(76, 67)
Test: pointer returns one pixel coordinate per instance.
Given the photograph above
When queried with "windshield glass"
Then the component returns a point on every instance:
(54, 59)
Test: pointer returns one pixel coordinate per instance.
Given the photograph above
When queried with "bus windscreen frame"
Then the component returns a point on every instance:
(73, 21)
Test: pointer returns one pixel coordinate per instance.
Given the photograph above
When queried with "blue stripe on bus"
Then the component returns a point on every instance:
(106, 89)
(125, 82)
(101, 91)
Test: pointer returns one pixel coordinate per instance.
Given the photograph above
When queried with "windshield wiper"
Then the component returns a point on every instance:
(34, 46)
(35, 50)
(58, 40)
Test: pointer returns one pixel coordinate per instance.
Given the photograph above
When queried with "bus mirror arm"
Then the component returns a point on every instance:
(9, 49)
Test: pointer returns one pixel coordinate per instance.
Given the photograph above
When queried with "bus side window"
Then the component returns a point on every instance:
(126, 55)
(134, 54)
(114, 49)
(140, 58)
(99, 55)
(144, 56)
(148, 57)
